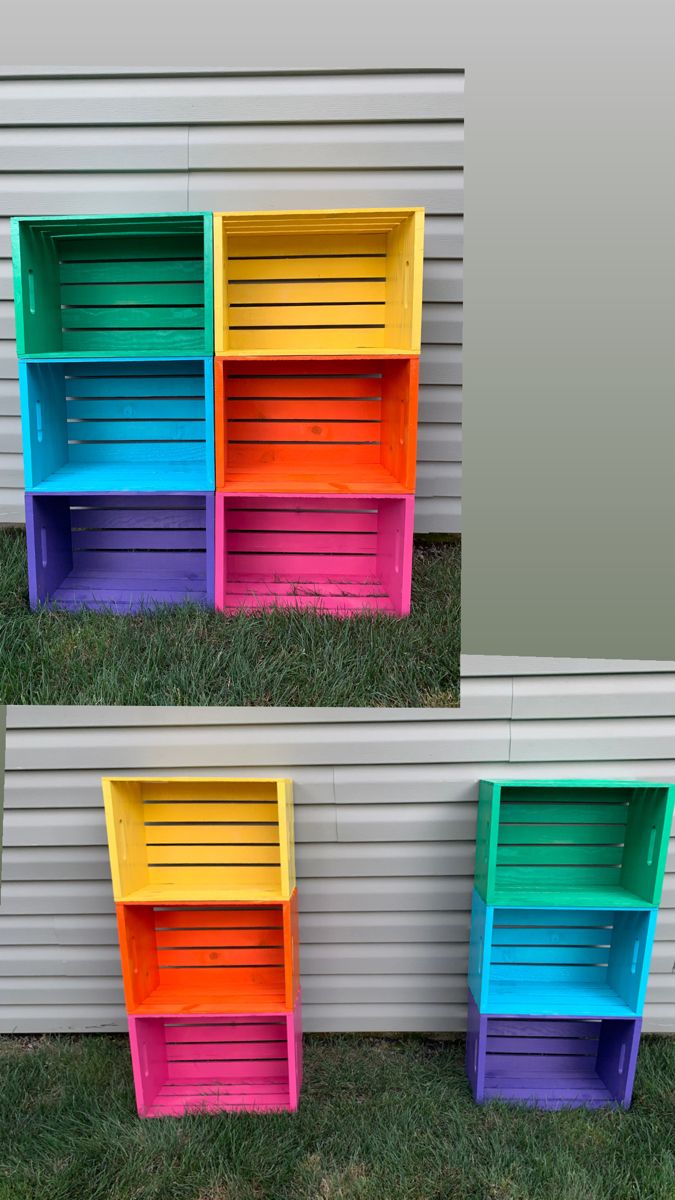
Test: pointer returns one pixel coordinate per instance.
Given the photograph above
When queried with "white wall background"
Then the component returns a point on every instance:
(140, 143)
(385, 818)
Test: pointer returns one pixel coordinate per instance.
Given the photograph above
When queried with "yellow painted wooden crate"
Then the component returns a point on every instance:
(200, 839)
(327, 281)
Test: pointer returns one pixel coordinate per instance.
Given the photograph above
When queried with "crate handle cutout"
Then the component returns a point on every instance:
(622, 1058)
(636, 951)
(38, 419)
(652, 845)
(123, 842)
(146, 1064)
(31, 291)
(43, 545)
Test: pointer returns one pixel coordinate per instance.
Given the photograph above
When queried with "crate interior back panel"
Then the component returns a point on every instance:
(319, 282)
(125, 284)
(568, 842)
(200, 840)
(122, 425)
(319, 425)
(209, 958)
(120, 552)
(340, 554)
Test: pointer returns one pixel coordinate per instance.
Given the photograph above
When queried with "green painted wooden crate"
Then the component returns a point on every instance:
(139, 284)
(572, 842)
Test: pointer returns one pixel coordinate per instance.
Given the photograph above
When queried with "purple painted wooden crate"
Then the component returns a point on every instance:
(122, 552)
(551, 1063)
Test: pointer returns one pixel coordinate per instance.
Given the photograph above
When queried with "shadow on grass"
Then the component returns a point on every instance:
(191, 655)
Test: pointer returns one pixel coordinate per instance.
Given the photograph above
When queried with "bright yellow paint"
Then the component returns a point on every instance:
(167, 840)
(321, 251)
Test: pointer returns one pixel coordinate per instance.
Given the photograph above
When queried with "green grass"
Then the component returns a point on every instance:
(190, 655)
(379, 1119)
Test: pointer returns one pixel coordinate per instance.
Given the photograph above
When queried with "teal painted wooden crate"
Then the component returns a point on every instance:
(104, 286)
(571, 843)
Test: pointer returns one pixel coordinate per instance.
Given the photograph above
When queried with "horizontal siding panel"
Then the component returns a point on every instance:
(648, 737)
(439, 479)
(441, 405)
(438, 515)
(439, 443)
(442, 323)
(89, 149)
(206, 748)
(274, 99)
(438, 191)
(57, 194)
(11, 506)
(417, 145)
(484, 665)
(648, 695)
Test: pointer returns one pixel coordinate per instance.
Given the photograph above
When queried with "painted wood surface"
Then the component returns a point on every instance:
(199, 840)
(341, 555)
(137, 284)
(316, 425)
(204, 959)
(121, 425)
(559, 961)
(249, 1062)
(120, 552)
(572, 842)
(323, 281)
(551, 1063)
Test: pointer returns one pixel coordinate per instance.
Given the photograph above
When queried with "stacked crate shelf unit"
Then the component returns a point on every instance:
(568, 881)
(204, 884)
(114, 318)
(317, 334)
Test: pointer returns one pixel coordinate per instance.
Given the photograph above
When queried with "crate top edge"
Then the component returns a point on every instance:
(64, 218)
(122, 494)
(308, 497)
(265, 902)
(287, 1015)
(578, 783)
(263, 213)
(235, 356)
(599, 909)
(134, 358)
(195, 779)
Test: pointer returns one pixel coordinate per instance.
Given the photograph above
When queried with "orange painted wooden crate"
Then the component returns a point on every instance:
(203, 959)
(316, 425)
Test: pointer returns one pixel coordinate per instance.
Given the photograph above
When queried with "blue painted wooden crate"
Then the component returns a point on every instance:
(118, 425)
(559, 961)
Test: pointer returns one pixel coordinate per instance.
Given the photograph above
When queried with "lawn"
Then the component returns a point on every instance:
(379, 1119)
(190, 655)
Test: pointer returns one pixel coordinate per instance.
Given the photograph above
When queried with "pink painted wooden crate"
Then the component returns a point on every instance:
(239, 1063)
(340, 554)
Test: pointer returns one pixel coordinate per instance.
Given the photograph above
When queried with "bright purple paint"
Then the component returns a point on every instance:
(551, 1063)
(122, 552)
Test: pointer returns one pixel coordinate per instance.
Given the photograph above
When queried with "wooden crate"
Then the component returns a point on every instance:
(208, 959)
(137, 284)
(567, 962)
(244, 1062)
(119, 425)
(554, 1063)
(120, 552)
(334, 281)
(203, 840)
(316, 425)
(341, 555)
(572, 842)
